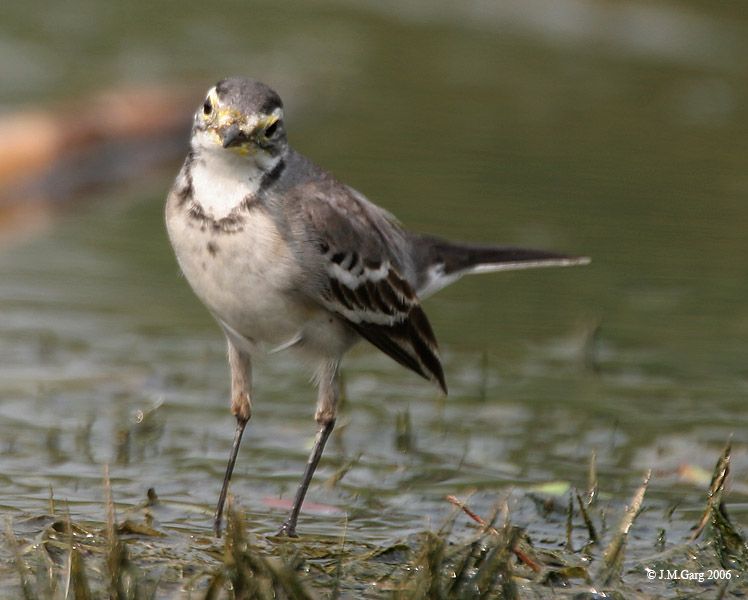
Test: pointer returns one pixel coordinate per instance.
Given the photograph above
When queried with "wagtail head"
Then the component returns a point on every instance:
(241, 116)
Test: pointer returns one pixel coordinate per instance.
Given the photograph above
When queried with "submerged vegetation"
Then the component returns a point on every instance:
(492, 558)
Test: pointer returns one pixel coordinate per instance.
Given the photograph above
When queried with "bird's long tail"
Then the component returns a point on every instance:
(440, 262)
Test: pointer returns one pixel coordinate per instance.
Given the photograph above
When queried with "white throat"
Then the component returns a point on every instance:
(222, 180)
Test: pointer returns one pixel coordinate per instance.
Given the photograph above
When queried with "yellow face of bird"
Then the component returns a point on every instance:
(221, 124)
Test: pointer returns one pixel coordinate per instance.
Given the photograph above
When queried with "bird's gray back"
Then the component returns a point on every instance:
(319, 215)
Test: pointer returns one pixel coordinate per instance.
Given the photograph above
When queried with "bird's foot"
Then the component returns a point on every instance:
(287, 530)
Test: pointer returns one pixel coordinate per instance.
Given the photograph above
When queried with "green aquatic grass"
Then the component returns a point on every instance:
(495, 559)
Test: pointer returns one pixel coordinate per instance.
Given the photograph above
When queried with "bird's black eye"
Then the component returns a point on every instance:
(207, 107)
(271, 129)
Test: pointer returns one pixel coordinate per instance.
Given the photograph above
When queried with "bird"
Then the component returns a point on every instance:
(288, 258)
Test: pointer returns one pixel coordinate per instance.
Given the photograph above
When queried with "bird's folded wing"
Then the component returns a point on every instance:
(363, 279)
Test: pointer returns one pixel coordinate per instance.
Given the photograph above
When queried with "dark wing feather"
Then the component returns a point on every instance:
(362, 252)
(394, 322)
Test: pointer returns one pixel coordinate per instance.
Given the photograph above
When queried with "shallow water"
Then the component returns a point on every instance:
(560, 130)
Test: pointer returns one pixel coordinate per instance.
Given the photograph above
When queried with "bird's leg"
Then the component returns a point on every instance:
(327, 401)
(241, 408)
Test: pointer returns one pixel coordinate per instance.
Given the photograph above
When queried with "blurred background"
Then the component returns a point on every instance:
(615, 129)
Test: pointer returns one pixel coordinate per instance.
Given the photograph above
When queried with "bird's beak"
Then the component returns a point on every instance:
(232, 136)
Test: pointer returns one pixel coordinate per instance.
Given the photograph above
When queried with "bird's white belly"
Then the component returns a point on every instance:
(246, 278)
